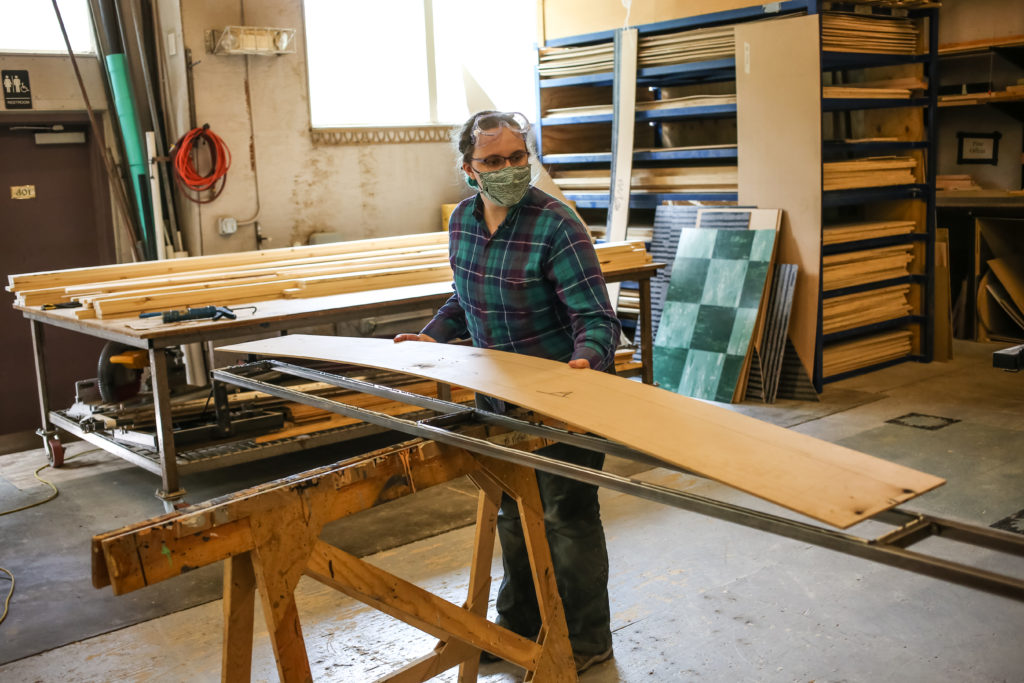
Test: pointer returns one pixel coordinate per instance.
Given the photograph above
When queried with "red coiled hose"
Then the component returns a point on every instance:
(185, 156)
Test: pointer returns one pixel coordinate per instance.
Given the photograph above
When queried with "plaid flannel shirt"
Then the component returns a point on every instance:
(533, 287)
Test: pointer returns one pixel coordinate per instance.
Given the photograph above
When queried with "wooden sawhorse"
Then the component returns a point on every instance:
(268, 537)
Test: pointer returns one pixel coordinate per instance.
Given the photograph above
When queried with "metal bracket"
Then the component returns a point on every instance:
(890, 549)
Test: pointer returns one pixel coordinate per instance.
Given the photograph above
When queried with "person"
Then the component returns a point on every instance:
(527, 280)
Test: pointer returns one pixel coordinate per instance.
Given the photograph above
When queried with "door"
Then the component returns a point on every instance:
(66, 225)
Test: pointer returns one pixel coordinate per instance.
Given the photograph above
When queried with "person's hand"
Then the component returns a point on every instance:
(580, 363)
(413, 337)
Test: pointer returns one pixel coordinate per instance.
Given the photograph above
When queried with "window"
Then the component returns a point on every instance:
(33, 27)
(418, 62)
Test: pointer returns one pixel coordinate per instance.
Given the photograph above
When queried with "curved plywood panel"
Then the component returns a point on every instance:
(824, 481)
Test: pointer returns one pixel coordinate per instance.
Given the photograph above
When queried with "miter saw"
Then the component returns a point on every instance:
(119, 401)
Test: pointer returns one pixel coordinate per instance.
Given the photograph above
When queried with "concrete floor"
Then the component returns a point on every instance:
(692, 598)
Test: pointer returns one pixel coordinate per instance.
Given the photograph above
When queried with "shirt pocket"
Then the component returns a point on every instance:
(524, 296)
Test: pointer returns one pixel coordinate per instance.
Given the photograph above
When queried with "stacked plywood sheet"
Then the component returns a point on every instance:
(649, 105)
(854, 268)
(879, 35)
(841, 233)
(861, 93)
(299, 272)
(864, 308)
(868, 172)
(682, 179)
(671, 48)
(865, 351)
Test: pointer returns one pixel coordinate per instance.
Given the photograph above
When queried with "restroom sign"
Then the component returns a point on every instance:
(17, 92)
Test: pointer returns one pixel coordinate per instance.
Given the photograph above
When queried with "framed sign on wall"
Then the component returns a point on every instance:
(977, 148)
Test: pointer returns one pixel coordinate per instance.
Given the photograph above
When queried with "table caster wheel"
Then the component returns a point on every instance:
(55, 452)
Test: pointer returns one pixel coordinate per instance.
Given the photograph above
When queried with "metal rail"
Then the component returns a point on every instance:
(890, 548)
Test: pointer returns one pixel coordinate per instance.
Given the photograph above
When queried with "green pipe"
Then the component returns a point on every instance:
(135, 154)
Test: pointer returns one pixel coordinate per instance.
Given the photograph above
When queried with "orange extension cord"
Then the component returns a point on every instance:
(185, 156)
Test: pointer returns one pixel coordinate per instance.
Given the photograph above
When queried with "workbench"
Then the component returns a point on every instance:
(275, 317)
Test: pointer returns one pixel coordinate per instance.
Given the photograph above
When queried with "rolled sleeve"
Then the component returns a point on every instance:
(449, 322)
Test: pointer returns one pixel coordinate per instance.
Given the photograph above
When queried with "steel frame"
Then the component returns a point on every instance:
(890, 548)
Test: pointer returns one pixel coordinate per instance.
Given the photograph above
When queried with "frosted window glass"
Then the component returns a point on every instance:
(33, 26)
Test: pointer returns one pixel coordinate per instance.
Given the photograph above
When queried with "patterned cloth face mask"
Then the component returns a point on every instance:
(507, 186)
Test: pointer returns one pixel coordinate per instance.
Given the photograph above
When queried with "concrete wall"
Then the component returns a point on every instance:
(260, 107)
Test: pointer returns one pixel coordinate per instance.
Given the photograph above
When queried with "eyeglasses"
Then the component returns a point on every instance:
(496, 162)
(488, 126)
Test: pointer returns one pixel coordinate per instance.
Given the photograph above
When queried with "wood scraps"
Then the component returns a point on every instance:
(821, 480)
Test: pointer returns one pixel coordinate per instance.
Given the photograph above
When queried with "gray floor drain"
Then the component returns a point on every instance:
(919, 421)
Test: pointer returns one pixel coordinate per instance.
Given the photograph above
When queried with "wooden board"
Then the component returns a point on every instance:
(778, 81)
(830, 483)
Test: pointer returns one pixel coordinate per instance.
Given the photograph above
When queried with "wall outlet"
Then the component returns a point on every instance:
(227, 225)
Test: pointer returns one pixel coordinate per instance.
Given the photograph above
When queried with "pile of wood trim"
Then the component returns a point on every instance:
(671, 48)
(864, 308)
(841, 233)
(878, 35)
(862, 267)
(680, 179)
(855, 92)
(868, 172)
(647, 105)
(864, 351)
(126, 290)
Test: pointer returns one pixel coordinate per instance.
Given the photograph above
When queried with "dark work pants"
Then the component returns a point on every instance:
(572, 522)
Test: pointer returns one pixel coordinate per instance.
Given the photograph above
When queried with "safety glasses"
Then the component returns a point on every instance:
(488, 126)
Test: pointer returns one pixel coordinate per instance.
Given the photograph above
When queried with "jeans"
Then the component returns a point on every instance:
(572, 522)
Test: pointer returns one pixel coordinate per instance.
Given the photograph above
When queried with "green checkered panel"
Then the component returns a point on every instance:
(718, 278)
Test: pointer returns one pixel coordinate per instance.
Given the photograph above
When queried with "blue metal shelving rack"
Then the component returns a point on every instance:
(724, 69)
(924, 192)
(707, 71)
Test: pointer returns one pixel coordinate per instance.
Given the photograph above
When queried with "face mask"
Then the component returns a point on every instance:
(507, 186)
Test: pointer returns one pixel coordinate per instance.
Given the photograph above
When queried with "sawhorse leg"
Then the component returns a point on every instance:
(286, 543)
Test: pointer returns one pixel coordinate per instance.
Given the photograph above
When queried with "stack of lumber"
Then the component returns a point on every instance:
(862, 267)
(883, 89)
(1013, 93)
(864, 351)
(682, 179)
(649, 105)
(879, 35)
(868, 172)
(671, 48)
(841, 233)
(956, 181)
(864, 308)
(857, 92)
(126, 290)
